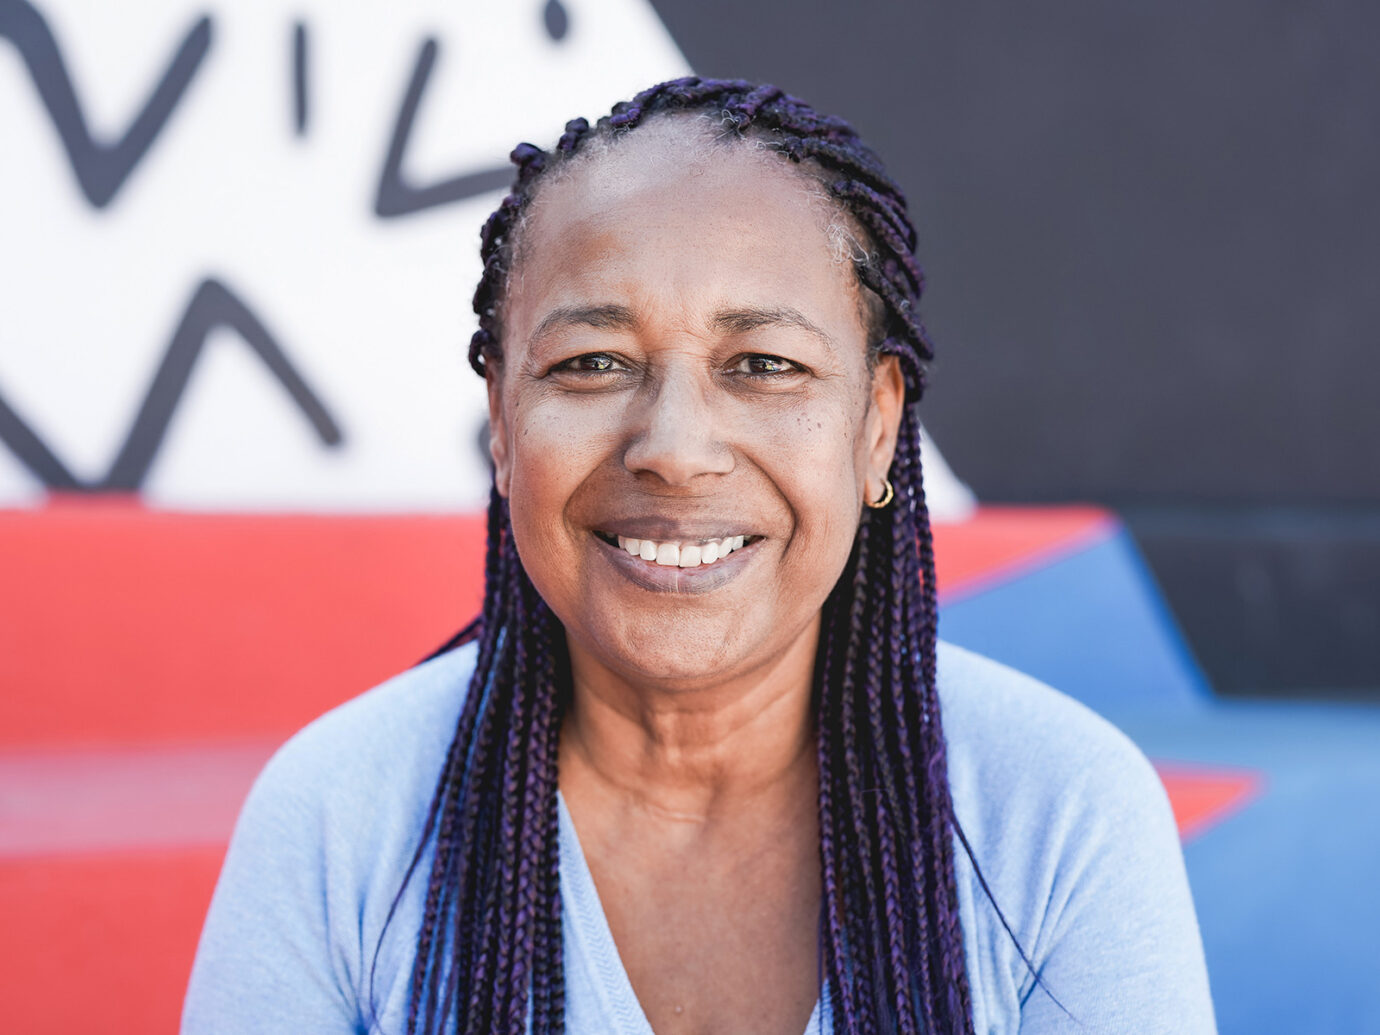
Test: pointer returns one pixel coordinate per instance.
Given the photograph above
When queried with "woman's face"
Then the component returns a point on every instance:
(685, 366)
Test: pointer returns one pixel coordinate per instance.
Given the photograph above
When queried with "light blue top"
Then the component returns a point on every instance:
(1069, 823)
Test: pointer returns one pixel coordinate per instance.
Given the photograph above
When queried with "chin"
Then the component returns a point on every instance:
(672, 653)
(672, 667)
(677, 670)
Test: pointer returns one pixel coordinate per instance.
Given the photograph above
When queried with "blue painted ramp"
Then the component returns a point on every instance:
(1090, 622)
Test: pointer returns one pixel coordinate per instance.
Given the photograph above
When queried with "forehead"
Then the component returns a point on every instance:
(669, 150)
(671, 212)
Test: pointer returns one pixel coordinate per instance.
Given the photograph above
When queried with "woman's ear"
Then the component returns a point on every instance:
(884, 419)
(498, 429)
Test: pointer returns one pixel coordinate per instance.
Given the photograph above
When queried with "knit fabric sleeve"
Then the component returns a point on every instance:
(263, 963)
(1120, 947)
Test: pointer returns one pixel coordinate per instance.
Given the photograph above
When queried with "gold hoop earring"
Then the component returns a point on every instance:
(887, 494)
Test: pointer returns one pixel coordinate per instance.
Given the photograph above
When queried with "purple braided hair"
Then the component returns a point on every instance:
(490, 944)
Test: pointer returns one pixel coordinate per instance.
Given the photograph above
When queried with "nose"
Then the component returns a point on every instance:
(676, 435)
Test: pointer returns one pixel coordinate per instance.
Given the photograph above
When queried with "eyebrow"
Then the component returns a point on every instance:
(744, 319)
(604, 317)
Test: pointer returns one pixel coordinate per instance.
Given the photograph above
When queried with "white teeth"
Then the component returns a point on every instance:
(688, 555)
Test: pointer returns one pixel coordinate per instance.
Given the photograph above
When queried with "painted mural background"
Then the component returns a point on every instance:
(240, 460)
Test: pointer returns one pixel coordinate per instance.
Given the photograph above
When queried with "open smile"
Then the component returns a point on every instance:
(677, 553)
(678, 565)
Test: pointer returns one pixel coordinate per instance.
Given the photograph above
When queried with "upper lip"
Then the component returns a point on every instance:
(670, 530)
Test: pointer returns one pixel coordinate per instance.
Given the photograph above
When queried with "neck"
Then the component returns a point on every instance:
(693, 754)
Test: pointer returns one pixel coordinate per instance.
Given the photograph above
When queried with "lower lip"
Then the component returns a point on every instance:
(663, 578)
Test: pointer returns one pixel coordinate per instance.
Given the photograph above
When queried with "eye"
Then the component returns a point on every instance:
(589, 363)
(758, 365)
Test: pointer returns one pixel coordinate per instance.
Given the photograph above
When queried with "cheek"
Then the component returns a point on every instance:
(554, 449)
(817, 465)
(554, 444)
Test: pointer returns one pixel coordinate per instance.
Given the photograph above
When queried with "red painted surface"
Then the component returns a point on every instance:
(101, 943)
(1203, 796)
(1001, 543)
(122, 624)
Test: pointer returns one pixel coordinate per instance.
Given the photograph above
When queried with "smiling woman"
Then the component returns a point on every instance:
(692, 770)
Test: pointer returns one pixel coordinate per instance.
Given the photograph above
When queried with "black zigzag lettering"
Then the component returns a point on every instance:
(100, 169)
(33, 453)
(397, 197)
(556, 19)
(299, 79)
(213, 305)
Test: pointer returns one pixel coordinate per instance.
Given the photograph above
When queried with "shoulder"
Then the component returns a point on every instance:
(391, 734)
(1041, 785)
(1012, 739)
(382, 720)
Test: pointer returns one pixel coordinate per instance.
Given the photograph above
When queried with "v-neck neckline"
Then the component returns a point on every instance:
(589, 933)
